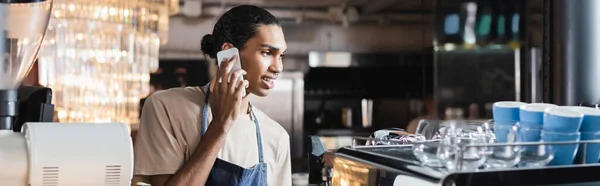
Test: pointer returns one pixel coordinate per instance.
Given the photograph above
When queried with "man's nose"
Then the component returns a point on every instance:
(277, 66)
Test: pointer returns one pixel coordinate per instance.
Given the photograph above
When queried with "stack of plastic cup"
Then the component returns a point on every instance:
(531, 120)
(506, 115)
(530, 130)
(562, 124)
(533, 114)
(590, 130)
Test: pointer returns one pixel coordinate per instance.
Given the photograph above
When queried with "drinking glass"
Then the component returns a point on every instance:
(432, 129)
(502, 156)
(454, 151)
(429, 129)
(533, 155)
(426, 152)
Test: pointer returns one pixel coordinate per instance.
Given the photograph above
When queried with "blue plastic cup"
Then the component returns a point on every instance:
(592, 151)
(591, 119)
(506, 111)
(563, 154)
(590, 130)
(562, 119)
(533, 114)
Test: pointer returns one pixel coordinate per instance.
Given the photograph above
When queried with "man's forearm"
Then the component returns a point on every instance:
(197, 169)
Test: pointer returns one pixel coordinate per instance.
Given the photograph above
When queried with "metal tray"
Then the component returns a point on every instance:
(400, 157)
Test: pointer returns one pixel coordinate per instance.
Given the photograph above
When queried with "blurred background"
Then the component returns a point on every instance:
(352, 66)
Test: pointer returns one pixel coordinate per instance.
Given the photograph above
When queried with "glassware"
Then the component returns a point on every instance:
(432, 129)
(533, 155)
(97, 57)
(453, 151)
(429, 129)
(502, 156)
(392, 136)
(426, 152)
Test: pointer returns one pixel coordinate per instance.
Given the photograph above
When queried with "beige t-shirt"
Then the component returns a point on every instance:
(170, 128)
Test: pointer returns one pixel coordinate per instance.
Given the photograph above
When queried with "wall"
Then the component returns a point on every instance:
(186, 33)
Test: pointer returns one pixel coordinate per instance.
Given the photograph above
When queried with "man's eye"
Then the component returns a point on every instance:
(266, 53)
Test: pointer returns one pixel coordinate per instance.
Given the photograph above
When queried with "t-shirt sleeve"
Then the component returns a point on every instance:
(283, 167)
(156, 150)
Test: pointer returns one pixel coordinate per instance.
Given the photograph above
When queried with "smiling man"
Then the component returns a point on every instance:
(212, 135)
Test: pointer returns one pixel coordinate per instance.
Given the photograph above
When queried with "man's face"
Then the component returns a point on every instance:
(262, 59)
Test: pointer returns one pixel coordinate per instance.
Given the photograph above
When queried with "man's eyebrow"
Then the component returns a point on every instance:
(271, 47)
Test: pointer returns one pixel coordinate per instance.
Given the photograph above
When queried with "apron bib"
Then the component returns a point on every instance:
(224, 173)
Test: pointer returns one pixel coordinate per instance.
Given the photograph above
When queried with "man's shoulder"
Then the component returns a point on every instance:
(189, 93)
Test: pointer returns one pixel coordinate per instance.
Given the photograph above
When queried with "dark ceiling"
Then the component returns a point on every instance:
(390, 11)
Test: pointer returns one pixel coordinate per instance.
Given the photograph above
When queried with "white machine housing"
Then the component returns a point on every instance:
(65, 154)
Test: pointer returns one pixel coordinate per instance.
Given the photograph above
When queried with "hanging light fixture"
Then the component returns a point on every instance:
(97, 56)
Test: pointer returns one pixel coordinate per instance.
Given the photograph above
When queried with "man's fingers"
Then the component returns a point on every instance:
(235, 80)
(240, 90)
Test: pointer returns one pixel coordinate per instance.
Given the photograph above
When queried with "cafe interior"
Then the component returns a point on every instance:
(372, 92)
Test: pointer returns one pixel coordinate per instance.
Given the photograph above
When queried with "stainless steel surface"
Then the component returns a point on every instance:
(572, 41)
(518, 75)
(285, 104)
(367, 112)
(356, 170)
(399, 164)
(336, 142)
(535, 74)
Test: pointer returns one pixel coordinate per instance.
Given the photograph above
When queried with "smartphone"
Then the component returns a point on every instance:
(229, 53)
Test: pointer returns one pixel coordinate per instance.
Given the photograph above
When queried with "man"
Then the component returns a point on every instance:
(212, 135)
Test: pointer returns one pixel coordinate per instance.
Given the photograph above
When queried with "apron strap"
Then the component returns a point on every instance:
(205, 122)
(205, 110)
(258, 136)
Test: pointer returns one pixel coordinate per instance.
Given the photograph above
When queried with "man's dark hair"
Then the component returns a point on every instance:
(236, 26)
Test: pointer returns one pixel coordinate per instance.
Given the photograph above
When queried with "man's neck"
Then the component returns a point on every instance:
(245, 106)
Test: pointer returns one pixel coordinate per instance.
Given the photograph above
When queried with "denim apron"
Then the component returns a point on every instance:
(224, 173)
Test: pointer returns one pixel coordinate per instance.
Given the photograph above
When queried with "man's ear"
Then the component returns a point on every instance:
(226, 46)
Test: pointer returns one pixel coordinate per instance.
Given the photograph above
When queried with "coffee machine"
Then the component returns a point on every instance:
(23, 25)
(46, 153)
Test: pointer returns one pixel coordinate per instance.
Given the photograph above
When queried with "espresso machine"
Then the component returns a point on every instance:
(45, 153)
